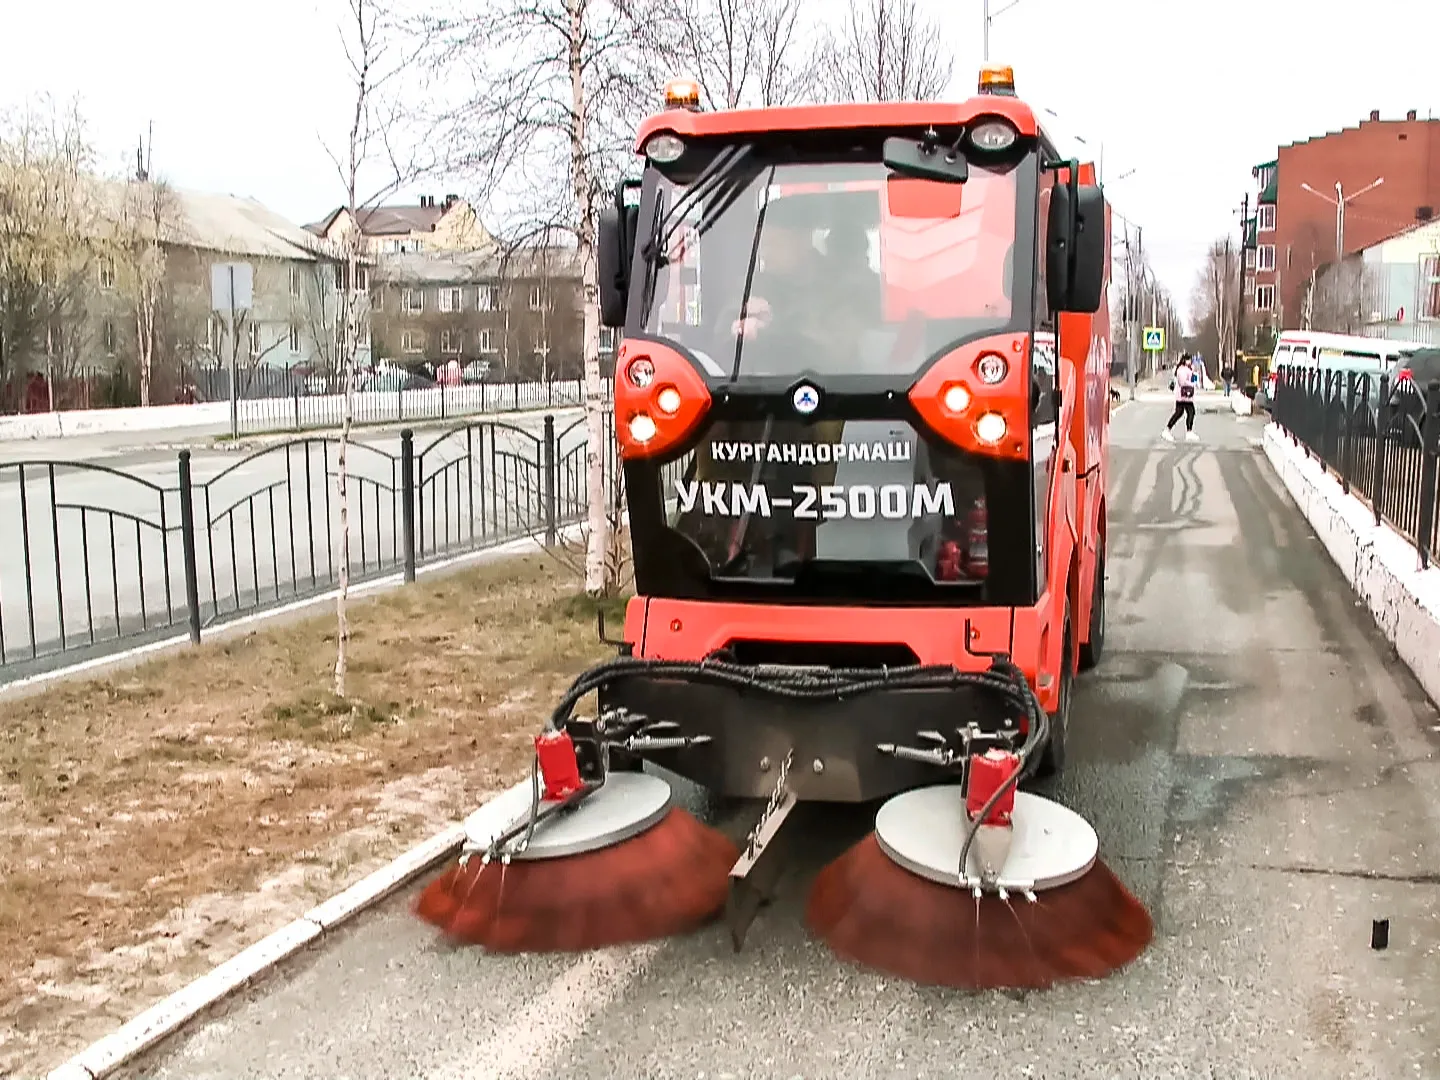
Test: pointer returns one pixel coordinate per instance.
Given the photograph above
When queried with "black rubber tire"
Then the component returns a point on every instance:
(1052, 758)
(1093, 650)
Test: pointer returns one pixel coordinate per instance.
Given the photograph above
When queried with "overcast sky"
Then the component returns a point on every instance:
(1188, 95)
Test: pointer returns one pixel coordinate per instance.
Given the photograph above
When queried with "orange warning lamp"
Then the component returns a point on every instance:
(682, 94)
(995, 79)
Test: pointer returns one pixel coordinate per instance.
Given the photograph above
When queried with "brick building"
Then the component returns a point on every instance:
(1295, 228)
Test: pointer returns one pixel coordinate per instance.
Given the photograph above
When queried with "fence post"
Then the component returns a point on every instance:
(295, 395)
(187, 547)
(516, 387)
(407, 500)
(1382, 445)
(400, 402)
(1347, 448)
(549, 467)
(1430, 440)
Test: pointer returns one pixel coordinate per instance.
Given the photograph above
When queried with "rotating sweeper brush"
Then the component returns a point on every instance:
(976, 885)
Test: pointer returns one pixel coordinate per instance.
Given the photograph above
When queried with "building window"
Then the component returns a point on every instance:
(537, 298)
(486, 343)
(450, 300)
(1430, 287)
(211, 335)
(294, 281)
(412, 301)
(542, 346)
(487, 298)
(362, 278)
(107, 334)
(450, 341)
(1249, 258)
(1266, 218)
(1250, 285)
(412, 341)
(294, 340)
(255, 348)
(1265, 257)
(1265, 176)
(1264, 297)
(107, 273)
(607, 339)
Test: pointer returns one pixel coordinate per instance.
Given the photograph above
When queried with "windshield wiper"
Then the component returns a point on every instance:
(723, 177)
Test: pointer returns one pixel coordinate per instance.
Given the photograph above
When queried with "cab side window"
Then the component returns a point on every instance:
(1043, 370)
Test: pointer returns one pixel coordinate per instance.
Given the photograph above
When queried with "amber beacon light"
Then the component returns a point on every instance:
(995, 79)
(682, 94)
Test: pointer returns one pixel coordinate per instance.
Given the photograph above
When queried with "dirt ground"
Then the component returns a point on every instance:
(156, 821)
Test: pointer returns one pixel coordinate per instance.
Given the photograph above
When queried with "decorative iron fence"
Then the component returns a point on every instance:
(94, 559)
(1381, 438)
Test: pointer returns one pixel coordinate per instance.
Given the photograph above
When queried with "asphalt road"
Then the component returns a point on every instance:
(1260, 770)
(267, 524)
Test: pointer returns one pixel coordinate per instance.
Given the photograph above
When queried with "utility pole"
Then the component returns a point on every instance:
(1140, 282)
(989, 17)
(1240, 286)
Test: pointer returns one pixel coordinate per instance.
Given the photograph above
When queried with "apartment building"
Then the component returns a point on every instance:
(427, 227)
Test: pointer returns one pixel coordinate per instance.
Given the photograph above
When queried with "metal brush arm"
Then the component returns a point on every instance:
(530, 819)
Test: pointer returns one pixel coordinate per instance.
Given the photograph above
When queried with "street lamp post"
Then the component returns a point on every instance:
(1340, 200)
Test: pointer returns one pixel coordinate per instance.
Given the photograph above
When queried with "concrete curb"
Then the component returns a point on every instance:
(120, 1047)
(1381, 565)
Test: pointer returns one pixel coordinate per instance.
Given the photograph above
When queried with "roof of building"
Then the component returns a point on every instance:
(1406, 231)
(474, 267)
(392, 220)
(208, 221)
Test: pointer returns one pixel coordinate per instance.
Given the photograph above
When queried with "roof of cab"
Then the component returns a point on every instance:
(866, 115)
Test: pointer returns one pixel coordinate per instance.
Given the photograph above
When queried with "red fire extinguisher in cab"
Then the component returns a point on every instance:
(976, 561)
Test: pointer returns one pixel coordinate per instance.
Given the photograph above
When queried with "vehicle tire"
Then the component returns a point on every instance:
(1093, 650)
(1052, 758)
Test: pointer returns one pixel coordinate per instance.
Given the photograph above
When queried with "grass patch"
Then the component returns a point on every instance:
(210, 771)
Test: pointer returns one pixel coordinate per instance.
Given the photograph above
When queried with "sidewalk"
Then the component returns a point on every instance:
(121, 447)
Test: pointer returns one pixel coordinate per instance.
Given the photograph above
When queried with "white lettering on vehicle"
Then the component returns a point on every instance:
(811, 453)
(808, 502)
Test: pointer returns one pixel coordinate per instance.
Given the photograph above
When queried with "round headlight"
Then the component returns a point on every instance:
(664, 148)
(993, 135)
(642, 428)
(992, 369)
(641, 372)
(990, 428)
(956, 398)
(668, 401)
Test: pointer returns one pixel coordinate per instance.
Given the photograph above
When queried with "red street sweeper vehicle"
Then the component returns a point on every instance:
(862, 406)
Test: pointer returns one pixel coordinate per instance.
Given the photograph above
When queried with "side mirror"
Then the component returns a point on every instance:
(615, 243)
(1075, 248)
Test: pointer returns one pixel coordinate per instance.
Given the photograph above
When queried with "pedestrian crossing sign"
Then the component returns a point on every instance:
(1154, 339)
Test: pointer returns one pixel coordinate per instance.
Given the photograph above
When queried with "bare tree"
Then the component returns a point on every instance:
(884, 50)
(375, 67)
(548, 89)
(146, 225)
(1341, 297)
(49, 237)
(1213, 302)
(743, 53)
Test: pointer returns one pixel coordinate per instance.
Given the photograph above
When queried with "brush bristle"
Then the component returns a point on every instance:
(872, 912)
(671, 879)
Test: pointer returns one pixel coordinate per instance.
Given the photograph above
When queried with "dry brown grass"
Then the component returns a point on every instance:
(155, 821)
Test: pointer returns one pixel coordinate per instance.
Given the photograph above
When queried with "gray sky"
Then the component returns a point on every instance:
(1189, 95)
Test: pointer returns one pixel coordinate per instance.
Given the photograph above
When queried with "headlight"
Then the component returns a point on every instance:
(990, 428)
(956, 398)
(642, 428)
(663, 149)
(993, 135)
(641, 372)
(668, 401)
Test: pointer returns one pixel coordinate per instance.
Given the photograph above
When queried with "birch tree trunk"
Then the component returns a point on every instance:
(597, 521)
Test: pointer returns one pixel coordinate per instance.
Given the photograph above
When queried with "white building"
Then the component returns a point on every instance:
(1403, 277)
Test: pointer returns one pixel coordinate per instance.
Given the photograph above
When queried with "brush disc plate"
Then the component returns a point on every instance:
(923, 831)
(628, 804)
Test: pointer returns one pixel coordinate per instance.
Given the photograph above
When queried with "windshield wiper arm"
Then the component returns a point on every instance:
(723, 176)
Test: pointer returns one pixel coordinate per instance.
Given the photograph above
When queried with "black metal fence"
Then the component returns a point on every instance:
(94, 559)
(1381, 437)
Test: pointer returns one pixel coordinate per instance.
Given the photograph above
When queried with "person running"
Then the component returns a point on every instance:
(1184, 383)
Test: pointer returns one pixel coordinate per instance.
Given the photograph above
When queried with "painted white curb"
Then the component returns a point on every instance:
(165, 1018)
(1380, 564)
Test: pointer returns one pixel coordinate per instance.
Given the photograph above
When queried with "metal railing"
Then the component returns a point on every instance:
(94, 559)
(1380, 437)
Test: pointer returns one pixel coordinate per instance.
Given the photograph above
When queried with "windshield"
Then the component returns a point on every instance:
(826, 268)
